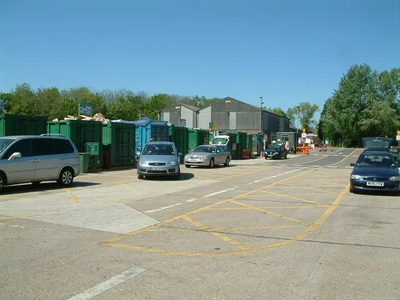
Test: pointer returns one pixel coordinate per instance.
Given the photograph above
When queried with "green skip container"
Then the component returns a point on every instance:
(86, 135)
(180, 136)
(198, 137)
(22, 125)
(119, 144)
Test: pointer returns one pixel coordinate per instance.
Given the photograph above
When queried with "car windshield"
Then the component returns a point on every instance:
(158, 149)
(375, 160)
(274, 147)
(4, 143)
(218, 141)
(207, 149)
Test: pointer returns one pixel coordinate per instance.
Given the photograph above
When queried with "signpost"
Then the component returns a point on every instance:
(398, 137)
(92, 148)
(85, 109)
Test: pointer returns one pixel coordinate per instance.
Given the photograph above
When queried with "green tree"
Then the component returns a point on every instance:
(278, 111)
(303, 115)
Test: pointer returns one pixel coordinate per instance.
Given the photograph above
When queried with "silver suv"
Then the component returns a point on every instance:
(37, 158)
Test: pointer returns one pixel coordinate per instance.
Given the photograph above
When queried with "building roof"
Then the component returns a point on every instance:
(191, 107)
(230, 98)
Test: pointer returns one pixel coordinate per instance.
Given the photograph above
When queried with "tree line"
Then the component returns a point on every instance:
(365, 104)
(122, 104)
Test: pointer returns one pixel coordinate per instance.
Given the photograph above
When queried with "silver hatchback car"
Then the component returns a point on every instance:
(159, 159)
(208, 155)
(37, 158)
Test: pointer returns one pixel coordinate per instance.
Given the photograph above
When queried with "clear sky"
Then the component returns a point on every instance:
(287, 51)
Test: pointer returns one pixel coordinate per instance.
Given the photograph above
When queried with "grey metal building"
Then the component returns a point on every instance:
(235, 115)
(181, 115)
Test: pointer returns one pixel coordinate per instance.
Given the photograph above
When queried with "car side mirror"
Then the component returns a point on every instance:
(15, 155)
(352, 164)
(179, 154)
(138, 153)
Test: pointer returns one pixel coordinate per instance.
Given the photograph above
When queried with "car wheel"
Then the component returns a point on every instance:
(226, 164)
(265, 157)
(286, 156)
(187, 166)
(211, 165)
(2, 183)
(353, 190)
(66, 177)
(139, 176)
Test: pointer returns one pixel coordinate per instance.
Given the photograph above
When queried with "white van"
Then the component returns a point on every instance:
(37, 158)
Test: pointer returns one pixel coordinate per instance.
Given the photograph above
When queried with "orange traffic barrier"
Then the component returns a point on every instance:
(302, 150)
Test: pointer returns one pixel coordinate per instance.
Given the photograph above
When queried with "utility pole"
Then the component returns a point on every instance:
(262, 124)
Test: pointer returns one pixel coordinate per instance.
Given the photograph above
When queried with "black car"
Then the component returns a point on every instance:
(376, 168)
(276, 151)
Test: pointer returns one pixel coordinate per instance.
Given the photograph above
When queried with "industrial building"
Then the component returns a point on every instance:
(230, 115)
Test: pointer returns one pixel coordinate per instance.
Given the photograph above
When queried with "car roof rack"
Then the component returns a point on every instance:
(53, 134)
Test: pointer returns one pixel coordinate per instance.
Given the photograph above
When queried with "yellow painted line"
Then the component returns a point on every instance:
(216, 234)
(272, 213)
(258, 227)
(112, 241)
(343, 159)
(309, 188)
(202, 177)
(20, 217)
(291, 197)
(72, 196)
(271, 207)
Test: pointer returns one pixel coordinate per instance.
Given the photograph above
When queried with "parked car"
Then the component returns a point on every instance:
(37, 158)
(276, 151)
(208, 155)
(376, 168)
(159, 159)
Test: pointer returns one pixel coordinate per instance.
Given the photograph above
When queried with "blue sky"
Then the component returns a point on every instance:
(287, 51)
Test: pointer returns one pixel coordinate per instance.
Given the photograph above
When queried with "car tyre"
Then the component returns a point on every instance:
(139, 176)
(353, 190)
(187, 166)
(2, 183)
(226, 164)
(265, 157)
(211, 165)
(66, 177)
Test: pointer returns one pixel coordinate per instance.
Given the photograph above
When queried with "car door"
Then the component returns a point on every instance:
(47, 159)
(220, 155)
(20, 169)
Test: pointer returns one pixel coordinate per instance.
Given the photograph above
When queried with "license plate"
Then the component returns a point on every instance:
(373, 183)
(157, 169)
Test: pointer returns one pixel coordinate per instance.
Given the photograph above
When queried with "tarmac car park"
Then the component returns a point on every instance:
(226, 233)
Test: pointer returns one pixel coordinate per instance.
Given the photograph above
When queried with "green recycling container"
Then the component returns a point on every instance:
(119, 144)
(241, 141)
(86, 135)
(198, 137)
(249, 142)
(84, 162)
(22, 125)
(180, 136)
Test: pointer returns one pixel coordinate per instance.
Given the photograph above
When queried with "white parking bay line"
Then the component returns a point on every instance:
(165, 207)
(220, 192)
(108, 284)
(278, 175)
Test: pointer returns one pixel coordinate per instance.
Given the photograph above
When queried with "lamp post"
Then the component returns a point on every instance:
(261, 116)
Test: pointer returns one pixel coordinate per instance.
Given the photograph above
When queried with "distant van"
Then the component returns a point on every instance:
(37, 158)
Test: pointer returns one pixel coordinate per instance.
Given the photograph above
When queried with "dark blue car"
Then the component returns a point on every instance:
(376, 169)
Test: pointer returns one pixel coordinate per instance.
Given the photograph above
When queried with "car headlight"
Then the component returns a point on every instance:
(172, 163)
(143, 163)
(356, 177)
(275, 153)
(395, 178)
(202, 157)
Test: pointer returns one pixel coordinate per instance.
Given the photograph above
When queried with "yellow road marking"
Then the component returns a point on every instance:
(271, 207)
(216, 234)
(258, 227)
(271, 213)
(309, 188)
(72, 196)
(291, 197)
(20, 217)
(343, 159)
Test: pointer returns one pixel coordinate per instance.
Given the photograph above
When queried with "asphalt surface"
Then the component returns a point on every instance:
(259, 229)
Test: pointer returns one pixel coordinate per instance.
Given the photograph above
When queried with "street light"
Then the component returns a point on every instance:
(261, 116)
